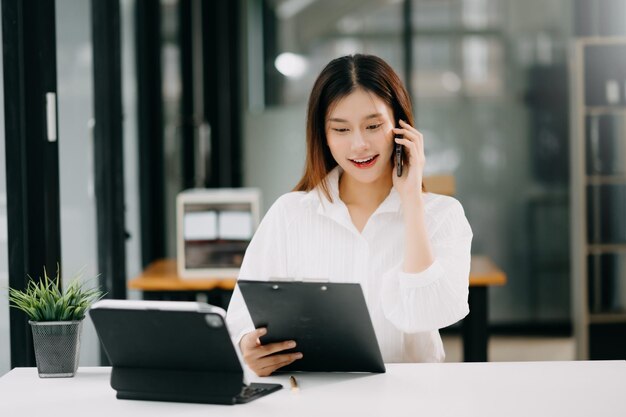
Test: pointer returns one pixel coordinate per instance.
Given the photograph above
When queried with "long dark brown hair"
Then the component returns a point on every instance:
(338, 79)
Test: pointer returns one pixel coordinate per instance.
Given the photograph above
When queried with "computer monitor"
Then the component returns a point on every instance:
(214, 228)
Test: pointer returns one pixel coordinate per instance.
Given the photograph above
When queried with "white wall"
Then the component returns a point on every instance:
(274, 150)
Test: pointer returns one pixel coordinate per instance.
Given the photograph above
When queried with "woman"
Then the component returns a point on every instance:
(352, 219)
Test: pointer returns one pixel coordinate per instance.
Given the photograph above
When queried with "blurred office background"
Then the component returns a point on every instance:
(213, 94)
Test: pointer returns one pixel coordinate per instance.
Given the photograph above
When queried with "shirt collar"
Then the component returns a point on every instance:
(337, 209)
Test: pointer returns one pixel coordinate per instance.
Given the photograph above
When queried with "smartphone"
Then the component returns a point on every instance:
(399, 151)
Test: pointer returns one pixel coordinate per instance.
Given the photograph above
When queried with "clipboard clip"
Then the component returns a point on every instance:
(278, 280)
(313, 280)
(282, 279)
(316, 280)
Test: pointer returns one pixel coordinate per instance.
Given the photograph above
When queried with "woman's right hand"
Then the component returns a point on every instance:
(262, 359)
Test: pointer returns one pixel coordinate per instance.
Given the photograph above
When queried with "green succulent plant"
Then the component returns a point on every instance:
(44, 300)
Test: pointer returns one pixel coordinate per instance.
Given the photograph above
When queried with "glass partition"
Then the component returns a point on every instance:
(76, 167)
(5, 346)
(490, 95)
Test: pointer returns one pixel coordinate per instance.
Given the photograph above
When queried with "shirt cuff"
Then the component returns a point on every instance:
(421, 279)
(237, 339)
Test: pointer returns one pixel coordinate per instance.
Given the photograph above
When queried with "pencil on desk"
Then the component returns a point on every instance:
(294, 384)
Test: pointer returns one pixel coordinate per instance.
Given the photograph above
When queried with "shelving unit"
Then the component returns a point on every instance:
(598, 196)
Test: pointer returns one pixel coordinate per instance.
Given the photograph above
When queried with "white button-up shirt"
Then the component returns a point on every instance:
(304, 236)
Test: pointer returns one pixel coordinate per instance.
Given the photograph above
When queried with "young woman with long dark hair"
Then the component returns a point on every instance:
(351, 218)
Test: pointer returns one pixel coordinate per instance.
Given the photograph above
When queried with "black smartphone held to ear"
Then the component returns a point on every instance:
(399, 153)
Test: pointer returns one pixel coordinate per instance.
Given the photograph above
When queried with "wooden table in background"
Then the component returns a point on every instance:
(162, 276)
(160, 281)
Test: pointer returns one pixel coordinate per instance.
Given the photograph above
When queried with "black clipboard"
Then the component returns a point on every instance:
(172, 351)
(330, 323)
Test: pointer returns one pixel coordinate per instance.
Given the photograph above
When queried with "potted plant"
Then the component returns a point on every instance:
(56, 319)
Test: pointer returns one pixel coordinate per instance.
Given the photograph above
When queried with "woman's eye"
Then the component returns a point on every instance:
(340, 129)
(376, 126)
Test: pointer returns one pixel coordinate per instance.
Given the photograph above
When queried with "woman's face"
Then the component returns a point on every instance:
(359, 135)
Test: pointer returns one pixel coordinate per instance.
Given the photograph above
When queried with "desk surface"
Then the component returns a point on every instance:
(526, 389)
(162, 275)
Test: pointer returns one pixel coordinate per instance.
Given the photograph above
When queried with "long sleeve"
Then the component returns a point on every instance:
(437, 297)
(265, 258)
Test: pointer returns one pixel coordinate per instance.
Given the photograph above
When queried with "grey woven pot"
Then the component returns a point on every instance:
(57, 345)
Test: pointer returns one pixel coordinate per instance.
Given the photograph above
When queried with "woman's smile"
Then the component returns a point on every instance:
(364, 163)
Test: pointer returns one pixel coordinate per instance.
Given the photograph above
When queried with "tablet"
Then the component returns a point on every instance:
(330, 323)
(172, 351)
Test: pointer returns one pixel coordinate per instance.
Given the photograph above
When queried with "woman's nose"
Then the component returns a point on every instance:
(358, 142)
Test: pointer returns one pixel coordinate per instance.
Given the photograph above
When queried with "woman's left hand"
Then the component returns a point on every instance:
(409, 185)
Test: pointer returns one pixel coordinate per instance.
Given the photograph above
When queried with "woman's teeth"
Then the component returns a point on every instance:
(364, 163)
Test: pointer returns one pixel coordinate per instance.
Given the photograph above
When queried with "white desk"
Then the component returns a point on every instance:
(426, 390)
